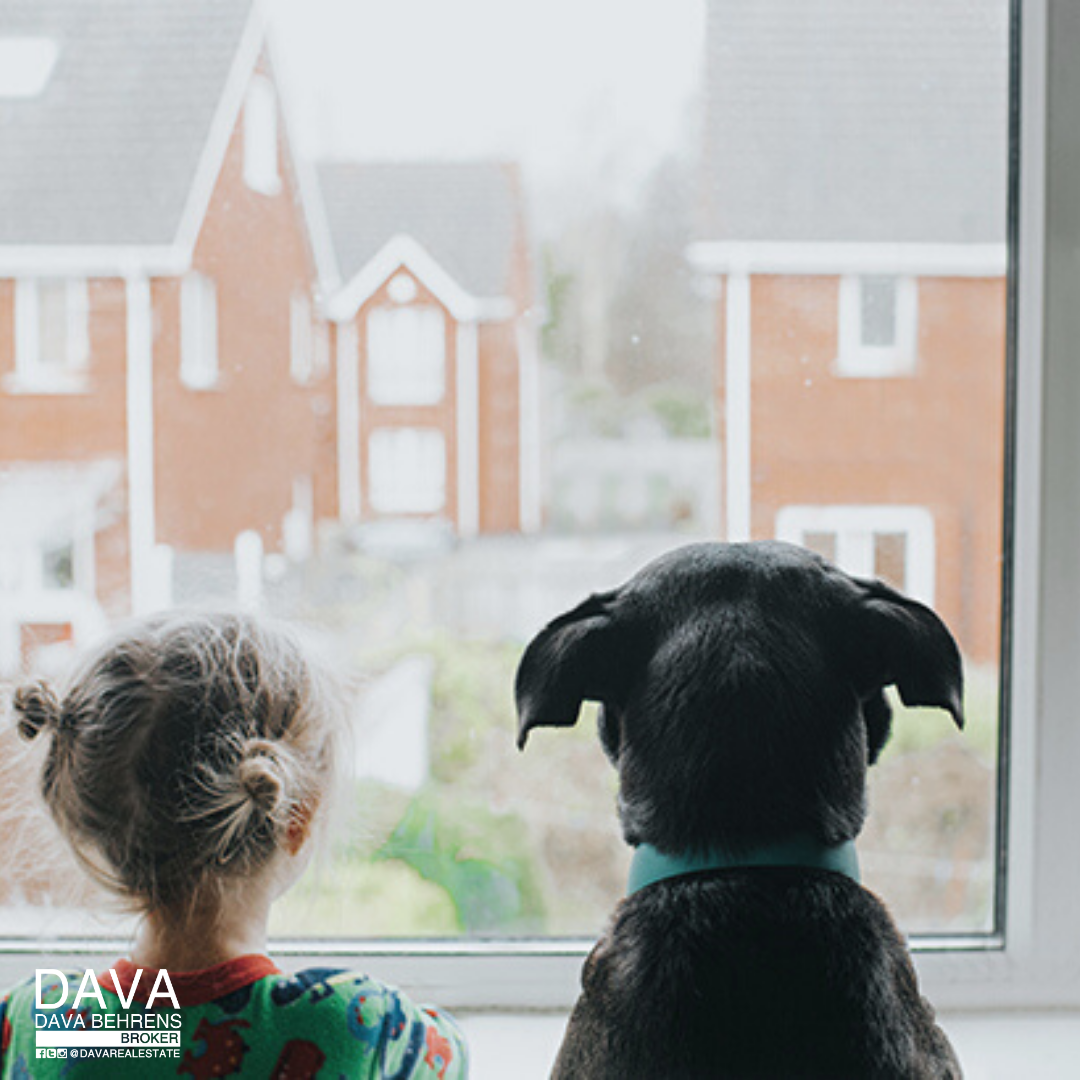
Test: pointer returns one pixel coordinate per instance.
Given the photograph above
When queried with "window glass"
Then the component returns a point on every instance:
(408, 471)
(509, 337)
(261, 138)
(406, 354)
(199, 331)
(878, 311)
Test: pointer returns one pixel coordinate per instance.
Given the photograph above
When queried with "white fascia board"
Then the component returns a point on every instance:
(403, 250)
(45, 260)
(221, 129)
(831, 258)
(311, 201)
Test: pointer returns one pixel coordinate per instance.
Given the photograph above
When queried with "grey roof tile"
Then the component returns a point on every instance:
(856, 120)
(108, 152)
(465, 215)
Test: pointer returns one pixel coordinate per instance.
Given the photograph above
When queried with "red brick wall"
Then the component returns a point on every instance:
(500, 431)
(226, 457)
(933, 439)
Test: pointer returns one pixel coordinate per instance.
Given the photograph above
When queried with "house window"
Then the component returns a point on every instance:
(407, 471)
(406, 355)
(878, 326)
(52, 343)
(261, 137)
(894, 543)
(198, 332)
(301, 338)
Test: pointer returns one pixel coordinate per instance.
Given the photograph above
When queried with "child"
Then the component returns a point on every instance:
(186, 766)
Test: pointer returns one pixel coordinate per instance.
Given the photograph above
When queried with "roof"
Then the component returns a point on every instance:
(463, 214)
(109, 151)
(856, 120)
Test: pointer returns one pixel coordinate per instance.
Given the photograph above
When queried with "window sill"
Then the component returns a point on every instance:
(67, 382)
(871, 366)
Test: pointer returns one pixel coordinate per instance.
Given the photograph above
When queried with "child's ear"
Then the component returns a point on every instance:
(298, 829)
(583, 655)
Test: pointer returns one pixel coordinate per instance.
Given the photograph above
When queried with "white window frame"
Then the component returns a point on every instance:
(392, 493)
(32, 373)
(855, 359)
(1037, 964)
(397, 373)
(199, 362)
(261, 165)
(855, 528)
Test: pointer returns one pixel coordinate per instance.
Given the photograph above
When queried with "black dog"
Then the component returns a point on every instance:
(741, 692)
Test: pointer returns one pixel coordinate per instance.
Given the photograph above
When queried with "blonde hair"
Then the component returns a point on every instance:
(180, 752)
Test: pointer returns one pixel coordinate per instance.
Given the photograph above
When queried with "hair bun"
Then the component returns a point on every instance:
(261, 775)
(37, 707)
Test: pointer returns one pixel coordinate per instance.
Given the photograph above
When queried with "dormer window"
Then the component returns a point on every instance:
(261, 138)
(26, 65)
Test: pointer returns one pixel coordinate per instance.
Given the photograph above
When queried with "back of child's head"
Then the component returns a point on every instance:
(180, 752)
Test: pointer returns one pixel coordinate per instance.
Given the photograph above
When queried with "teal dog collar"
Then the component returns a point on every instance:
(649, 865)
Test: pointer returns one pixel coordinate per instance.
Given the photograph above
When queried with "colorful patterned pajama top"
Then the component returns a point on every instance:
(243, 1018)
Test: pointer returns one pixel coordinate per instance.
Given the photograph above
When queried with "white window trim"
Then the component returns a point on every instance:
(199, 360)
(31, 375)
(857, 360)
(854, 527)
(261, 122)
(1038, 964)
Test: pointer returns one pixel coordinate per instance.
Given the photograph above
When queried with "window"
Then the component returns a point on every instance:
(302, 338)
(52, 343)
(198, 332)
(261, 138)
(406, 355)
(895, 543)
(878, 326)
(407, 471)
(596, 381)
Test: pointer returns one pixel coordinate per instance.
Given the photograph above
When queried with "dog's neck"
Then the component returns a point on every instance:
(650, 865)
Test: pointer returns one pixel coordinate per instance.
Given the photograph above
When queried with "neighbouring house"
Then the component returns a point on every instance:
(437, 359)
(198, 363)
(157, 308)
(854, 228)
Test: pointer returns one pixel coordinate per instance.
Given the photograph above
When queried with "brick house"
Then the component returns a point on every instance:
(169, 389)
(854, 231)
(157, 313)
(436, 333)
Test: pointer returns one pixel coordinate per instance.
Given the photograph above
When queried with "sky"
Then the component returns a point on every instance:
(580, 92)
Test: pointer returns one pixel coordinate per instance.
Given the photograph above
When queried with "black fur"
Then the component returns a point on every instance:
(741, 691)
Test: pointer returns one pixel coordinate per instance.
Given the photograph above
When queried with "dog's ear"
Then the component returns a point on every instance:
(580, 656)
(900, 642)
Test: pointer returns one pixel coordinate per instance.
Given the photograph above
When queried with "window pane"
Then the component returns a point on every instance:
(483, 359)
(52, 297)
(878, 311)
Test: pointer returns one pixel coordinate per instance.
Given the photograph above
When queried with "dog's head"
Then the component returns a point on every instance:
(741, 690)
